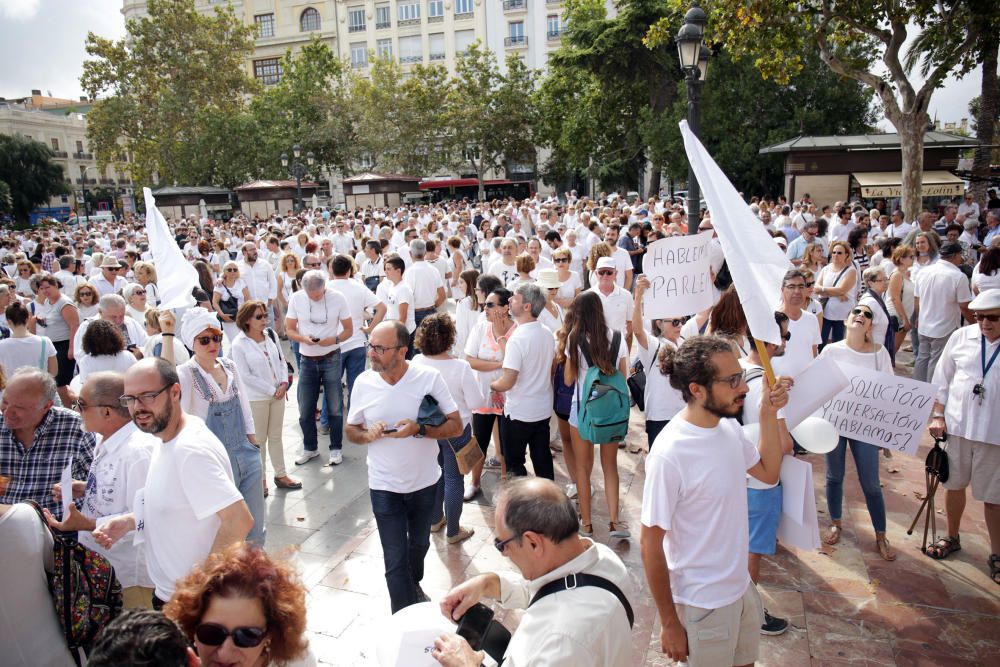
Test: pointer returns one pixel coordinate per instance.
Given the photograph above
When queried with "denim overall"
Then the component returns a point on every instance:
(225, 420)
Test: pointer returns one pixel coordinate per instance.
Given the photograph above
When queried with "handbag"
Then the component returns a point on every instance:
(430, 413)
(823, 299)
(637, 381)
(229, 306)
(469, 456)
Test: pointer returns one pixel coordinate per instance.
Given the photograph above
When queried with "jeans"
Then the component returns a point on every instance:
(866, 461)
(927, 357)
(404, 529)
(312, 374)
(450, 488)
(354, 365)
(516, 436)
(832, 331)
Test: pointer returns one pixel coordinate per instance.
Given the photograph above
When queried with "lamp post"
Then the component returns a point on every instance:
(297, 170)
(693, 56)
(86, 204)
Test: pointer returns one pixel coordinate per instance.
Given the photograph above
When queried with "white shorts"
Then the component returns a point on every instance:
(976, 463)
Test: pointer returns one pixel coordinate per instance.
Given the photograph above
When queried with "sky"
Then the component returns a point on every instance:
(42, 47)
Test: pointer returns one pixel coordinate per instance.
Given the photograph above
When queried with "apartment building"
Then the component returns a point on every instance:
(61, 124)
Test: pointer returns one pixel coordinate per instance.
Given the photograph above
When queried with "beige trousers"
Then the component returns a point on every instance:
(268, 420)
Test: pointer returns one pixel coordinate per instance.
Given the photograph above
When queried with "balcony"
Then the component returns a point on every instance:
(83, 156)
(514, 5)
(60, 154)
(464, 16)
(401, 24)
(86, 181)
(405, 60)
(438, 56)
(356, 28)
(516, 41)
(107, 181)
(553, 2)
(554, 35)
(435, 19)
(383, 26)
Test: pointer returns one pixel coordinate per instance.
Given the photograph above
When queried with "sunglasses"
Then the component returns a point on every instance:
(205, 340)
(260, 317)
(838, 252)
(983, 317)
(213, 634)
(502, 544)
(606, 272)
(861, 311)
(808, 285)
(232, 270)
(675, 322)
(489, 305)
(139, 292)
(561, 260)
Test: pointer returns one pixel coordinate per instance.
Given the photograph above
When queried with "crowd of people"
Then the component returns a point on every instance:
(452, 341)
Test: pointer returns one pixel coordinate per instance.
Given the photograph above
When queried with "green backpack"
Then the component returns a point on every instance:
(603, 405)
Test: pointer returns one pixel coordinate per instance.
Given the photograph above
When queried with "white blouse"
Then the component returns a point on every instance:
(192, 400)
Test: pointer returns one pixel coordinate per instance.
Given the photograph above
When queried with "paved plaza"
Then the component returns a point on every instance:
(846, 605)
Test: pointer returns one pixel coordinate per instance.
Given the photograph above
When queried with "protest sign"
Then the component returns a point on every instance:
(820, 381)
(680, 278)
(881, 409)
(798, 526)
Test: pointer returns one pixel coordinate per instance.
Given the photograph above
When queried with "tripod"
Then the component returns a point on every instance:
(935, 472)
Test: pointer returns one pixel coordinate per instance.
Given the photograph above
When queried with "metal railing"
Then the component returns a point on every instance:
(511, 5)
(515, 40)
(356, 28)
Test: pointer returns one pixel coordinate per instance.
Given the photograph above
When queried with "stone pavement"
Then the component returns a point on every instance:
(846, 605)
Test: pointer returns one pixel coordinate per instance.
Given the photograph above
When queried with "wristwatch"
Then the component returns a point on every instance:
(421, 431)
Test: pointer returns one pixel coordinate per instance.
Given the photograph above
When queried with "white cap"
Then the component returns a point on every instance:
(606, 263)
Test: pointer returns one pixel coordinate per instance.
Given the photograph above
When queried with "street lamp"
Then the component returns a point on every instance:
(86, 204)
(298, 170)
(693, 56)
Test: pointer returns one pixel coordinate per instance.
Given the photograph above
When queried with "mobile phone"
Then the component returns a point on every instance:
(389, 430)
(474, 623)
(314, 339)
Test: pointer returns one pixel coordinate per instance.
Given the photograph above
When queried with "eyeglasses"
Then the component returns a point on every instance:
(838, 252)
(796, 287)
(862, 311)
(734, 381)
(561, 260)
(382, 349)
(232, 270)
(80, 405)
(606, 272)
(205, 340)
(502, 544)
(144, 398)
(808, 285)
(983, 317)
(326, 312)
(213, 634)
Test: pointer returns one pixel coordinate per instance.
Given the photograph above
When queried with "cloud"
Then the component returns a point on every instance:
(19, 10)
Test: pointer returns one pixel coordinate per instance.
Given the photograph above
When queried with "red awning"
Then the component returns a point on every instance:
(459, 183)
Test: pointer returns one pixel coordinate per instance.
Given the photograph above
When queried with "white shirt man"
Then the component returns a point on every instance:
(258, 275)
(68, 281)
(423, 280)
(109, 282)
(616, 301)
(942, 295)
(320, 321)
(803, 328)
(112, 309)
(504, 266)
(840, 230)
(969, 208)
(397, 295)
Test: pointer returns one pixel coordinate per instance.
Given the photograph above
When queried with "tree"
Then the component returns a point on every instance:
(814, 102)
(985, 110)
(175, 68)
(981, 119)
(490, 116)
(855, 39)
(30, 175)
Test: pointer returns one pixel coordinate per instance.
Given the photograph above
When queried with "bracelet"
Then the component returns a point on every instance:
(938, 415)
(171, 335)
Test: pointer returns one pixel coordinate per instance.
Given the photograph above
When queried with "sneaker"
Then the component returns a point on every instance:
(306, 457)
(492, 462)
(556, 445)
(421, 596)
(462, 534)
(436, 527)
(324, 429)
(619, 530)
(471, 491)
(336, 458)
(773, 626)
(586, 530)
(571, 491)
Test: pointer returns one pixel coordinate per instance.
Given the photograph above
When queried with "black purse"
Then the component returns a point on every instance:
(430, 413)
(637, 381)
(229, 306)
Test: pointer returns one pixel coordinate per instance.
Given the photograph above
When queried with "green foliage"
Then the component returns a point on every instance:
(28, 174)
(5, 200)
(175, 68)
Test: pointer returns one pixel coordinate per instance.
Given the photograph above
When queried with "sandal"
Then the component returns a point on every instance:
(884, 549)
(994, 563)
(832, 535)
(944, 547)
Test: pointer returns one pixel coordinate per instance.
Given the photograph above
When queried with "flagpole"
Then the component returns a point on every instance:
(765, 361)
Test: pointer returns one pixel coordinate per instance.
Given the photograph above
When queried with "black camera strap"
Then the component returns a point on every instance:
(571, 581)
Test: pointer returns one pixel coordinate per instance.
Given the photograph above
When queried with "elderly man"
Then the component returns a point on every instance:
(575, 592)
(424, 281)
(966, 411)
(319, 320)
(110, 281)
(121, 461)
(38, 440)
(527, 381)
(189, 506)
(402, 454)
(617, 302)
(504, 267)
(259, 276)
(941, 297)
(111, 308)
(797, 248)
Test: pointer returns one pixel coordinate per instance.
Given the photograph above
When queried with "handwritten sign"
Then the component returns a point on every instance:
(881, 409)
(680, 276)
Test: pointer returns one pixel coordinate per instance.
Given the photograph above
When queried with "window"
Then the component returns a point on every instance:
(553, 26)
(410, 49)
(356, 19)
(409, 11)
(359, 54)
(309, 20)
(264, 24)
(463, 6)
(55, 144)
(267, 70)
(463, 40)
(79, 146)
(383, 16)
(367, 161)
(435, 8)
(383, 48)
(437, 46)
(516, 32)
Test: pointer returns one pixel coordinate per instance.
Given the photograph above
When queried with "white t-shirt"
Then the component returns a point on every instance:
(408, 464)
(423, 280)
(567, 289)
(87, 364)
(696, 490)
(20, 352)
(507, 274)
(320, 318)
(461, 381)
(617, 307)
(393, 295)
(663, 402)
(941, 287)
(359, 299)
(189, 481)
(798, 350)
(529, 352)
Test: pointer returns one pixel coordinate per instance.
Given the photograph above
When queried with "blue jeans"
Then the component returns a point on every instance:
(866, 461)
(404, 529)
(312, 374)
(450, 487)
(354, 365)
(832, 331)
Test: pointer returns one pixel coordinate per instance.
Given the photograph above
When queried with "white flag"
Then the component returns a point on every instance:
(176, 277)
(756, 263)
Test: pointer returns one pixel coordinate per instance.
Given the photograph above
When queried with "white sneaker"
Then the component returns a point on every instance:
(470, 492)
(571, 491)
(336, 458)
(306, 457)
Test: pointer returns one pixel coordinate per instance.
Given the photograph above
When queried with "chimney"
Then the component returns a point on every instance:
(35, 91)
(964, 125)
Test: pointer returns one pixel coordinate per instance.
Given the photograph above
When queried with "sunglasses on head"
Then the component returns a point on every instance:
(862, 311)
(205, 340)
(983, 317)
(213, 634)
